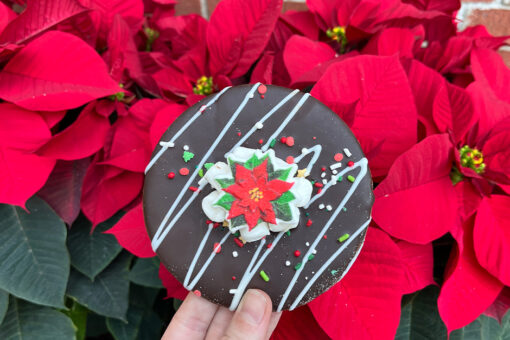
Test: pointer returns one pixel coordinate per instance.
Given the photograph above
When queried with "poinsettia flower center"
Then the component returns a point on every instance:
(151, 35)
(256, 194)
(204, 86)
(472, 158)
(338, 34)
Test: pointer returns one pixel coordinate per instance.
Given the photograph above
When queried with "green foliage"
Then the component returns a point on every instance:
(78, 315)
(145, 272)
(4, 303)
(35, 263)
(91, 251)
(25, 320)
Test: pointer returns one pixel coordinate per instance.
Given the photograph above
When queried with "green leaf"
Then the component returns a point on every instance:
(281, 174)
(282, 211)
(484, 328)
(232, 165)
(126, 331)
(225, 182)
(420, 318)
(4, 303)
(107, 295)
(225, 201)
(78, 315)
(25, 320)
(34, 263)
(92, 252)
(151, 326)
(145, 272)
(96, 325)
(237, 221)
(286, 197)
(252, 162)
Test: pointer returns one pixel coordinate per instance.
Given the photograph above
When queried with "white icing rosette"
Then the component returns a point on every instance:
(255, 193)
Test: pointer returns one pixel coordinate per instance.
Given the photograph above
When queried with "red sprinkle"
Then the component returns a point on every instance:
(338, 157)
(319, 191)
(323, 169)
(269, 245)
(193, 188)
(217, 247)
(262, 96)
(171, 175)
(262, 89)
(350, 163)
(297, 253)
(208, 222)
(233, 278)
(290, 141)
(290, 160)
(184, 171)
(283, 140)
(239, 134)
(261, 141)
(309, 223)
(318, 184)
(239, 242)
(216, 225)
(314, 138)
(325, 237)
(197, 293)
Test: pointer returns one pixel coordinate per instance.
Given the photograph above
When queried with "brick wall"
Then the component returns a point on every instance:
(494, 14)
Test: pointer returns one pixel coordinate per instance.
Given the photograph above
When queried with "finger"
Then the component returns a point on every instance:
(251, 319)
(219, 324)
(191, 320)
(273, 322)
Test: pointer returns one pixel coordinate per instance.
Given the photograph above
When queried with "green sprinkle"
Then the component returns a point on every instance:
(264, 276)
(307, 214)
(343, 237)
(237, 234)
(201, 172)
(273, 142)
(207, 166)
(288, 232)
(333, 272)
(313, 182)
(187, 156)
(297, 266)
(311, 257)
(344, 209)
(339, 179)
(351, 178)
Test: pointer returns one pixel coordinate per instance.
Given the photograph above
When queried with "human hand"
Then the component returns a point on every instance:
(198, 318)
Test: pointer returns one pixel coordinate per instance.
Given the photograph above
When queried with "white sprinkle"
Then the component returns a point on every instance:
(167, 144)
(304, 150)
(347, 152)
(321, 206)
(424, 44)
(259, 125)
(287, 263)
(307, 244)
(323, 175)
(234, 253)
(251, 95)
(314, 251)
(329, 208)
(324, 181)
(334, 172)
(306, 277)
(335, 166)
(185, 147)
(232, 291)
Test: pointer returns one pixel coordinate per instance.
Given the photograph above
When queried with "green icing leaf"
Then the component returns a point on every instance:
(282, 211)
(225, 182)
(237, 221)
(281, 174)
(232, 165)
(286, 197)
(252, 162)
(225, 201)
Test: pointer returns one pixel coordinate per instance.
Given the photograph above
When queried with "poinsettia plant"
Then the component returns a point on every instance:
(88, 87)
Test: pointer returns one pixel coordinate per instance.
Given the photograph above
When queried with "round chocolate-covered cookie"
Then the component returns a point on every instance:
(258, 187)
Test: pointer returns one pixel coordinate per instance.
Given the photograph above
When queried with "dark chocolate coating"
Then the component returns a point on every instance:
(314, 119)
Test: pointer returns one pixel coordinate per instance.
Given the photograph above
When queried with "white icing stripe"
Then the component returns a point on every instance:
(316, 149)
(181, 130)
(362, 164)
(250, 272)
(197, 255)
(331, 182)
(328, 262)
(163, 229)
(286, 121)
(207, 263)
(263, 119)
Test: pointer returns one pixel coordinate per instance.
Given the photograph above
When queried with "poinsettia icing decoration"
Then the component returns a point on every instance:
(255, 193)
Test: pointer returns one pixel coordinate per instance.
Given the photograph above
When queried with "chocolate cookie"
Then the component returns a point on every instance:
(258, 187)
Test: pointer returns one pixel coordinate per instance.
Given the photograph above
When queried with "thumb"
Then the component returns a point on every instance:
(251, 319)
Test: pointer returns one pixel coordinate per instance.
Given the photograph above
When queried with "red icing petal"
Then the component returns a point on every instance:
(275, 189)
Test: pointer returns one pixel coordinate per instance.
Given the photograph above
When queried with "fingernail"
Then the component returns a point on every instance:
(253, 307)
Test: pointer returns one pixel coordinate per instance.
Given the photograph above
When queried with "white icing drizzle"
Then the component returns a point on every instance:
(263, 119)
(206, 264)
(182, 129)
(197, 254)
(252, 269)
(316, 149)
(333, 180)
(362, 164)
(286, 121)
(328, 262)
(164, 229)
